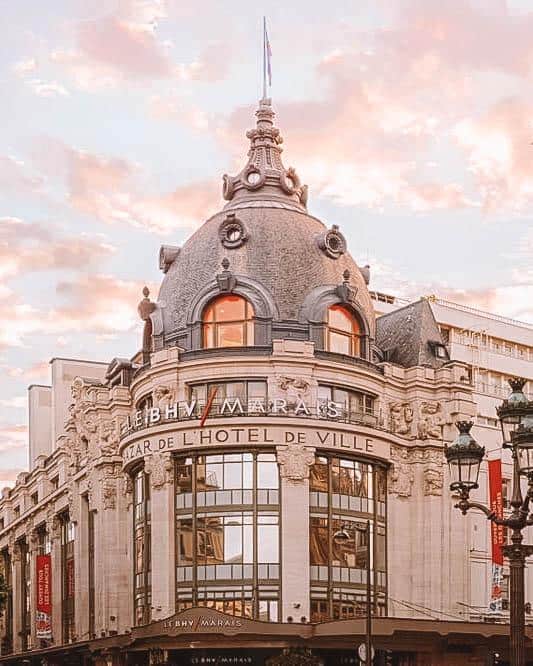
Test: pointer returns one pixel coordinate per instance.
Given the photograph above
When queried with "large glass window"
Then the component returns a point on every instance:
(343, 333)
(68, 536)
(228, 322)
(142, 548)
(345, 493)
(355, 406)
(227, 533)
(223, 397)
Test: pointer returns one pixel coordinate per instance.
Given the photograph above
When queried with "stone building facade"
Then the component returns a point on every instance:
(187, 500)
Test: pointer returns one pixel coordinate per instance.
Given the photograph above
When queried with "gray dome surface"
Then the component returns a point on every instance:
(288, 252)
(281, 252)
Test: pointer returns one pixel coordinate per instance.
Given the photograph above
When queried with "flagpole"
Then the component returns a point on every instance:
(264, 59)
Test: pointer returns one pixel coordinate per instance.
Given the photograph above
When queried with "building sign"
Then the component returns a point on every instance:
(186, 438)
(44, 597)
(497, 535)
(193, 410)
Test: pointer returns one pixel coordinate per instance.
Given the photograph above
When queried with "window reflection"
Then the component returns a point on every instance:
(343, 332)
(216, 541)
(228, 322)
(344, 494)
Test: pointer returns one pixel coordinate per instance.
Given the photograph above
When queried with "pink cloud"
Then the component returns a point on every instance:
(13, 436)
(15, 176)
(498, 148)
(32, 247)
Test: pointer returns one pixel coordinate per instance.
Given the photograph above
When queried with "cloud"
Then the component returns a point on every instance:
(116, 191)
(125, 46)
(47, 88)
(174, 107)
(29, 247)
(18, 402)
(24, 67)
(498, 149)
(9, 475)
(13, 437)
(15, 176)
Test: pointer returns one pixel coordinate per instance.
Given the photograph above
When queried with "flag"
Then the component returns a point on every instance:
(497, 535)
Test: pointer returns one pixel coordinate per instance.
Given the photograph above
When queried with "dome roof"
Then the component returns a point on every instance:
(265, 234)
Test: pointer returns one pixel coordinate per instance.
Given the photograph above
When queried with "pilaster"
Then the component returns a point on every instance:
(159, 467)
(294, 462)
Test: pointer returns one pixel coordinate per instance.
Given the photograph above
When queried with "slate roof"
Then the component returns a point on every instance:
(408, 336)
(281, 252)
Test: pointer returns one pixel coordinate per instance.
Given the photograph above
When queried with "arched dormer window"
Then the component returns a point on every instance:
(227, 321)
(343, 332)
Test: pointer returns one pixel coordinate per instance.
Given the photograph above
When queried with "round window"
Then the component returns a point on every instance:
(232, 232)
(253, 177)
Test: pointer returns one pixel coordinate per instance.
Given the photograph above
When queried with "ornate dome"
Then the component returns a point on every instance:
(265, 242)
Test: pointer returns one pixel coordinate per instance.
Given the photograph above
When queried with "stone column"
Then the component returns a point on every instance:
(33, 541)
(16, 562)
(294, 461)
(160, 468)
(53, 527)
(113, 572)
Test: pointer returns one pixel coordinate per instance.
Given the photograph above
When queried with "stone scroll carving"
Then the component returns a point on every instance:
(294, 462)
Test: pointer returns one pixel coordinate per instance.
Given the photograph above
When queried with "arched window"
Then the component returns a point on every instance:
(228, 322)
(343, 335)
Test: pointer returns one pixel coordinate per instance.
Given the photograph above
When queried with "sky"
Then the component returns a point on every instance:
(410, 120)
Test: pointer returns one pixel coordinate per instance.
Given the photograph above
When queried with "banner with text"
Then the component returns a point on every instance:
(44, 597)
(497, 535)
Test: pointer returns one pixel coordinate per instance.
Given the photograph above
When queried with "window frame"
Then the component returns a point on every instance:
(211, 327)
(355, 337)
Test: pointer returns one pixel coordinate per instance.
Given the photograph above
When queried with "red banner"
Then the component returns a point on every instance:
(496, 504)
(44, 584)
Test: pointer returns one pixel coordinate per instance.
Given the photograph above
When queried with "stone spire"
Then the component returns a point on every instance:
(264, 178)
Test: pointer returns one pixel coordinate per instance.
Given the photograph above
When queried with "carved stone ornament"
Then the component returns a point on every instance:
(109, 493)
(127, 489)
(402, 475)
(433, 480)
(73, 505)
(430, 420)
(294, 462)
(160, 468)
(53, 525)
(108, 485)
(232, 232)
(345, 291)
(293, 389)
(109, 438)
(164, 396)
(332, 242)
(226, 280)
(401, 419)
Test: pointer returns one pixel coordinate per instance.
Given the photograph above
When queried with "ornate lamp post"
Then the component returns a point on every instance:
(342, 537)
(464, 458)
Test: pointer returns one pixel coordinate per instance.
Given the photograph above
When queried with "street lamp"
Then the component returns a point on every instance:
(341, 537)
(464, 458)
